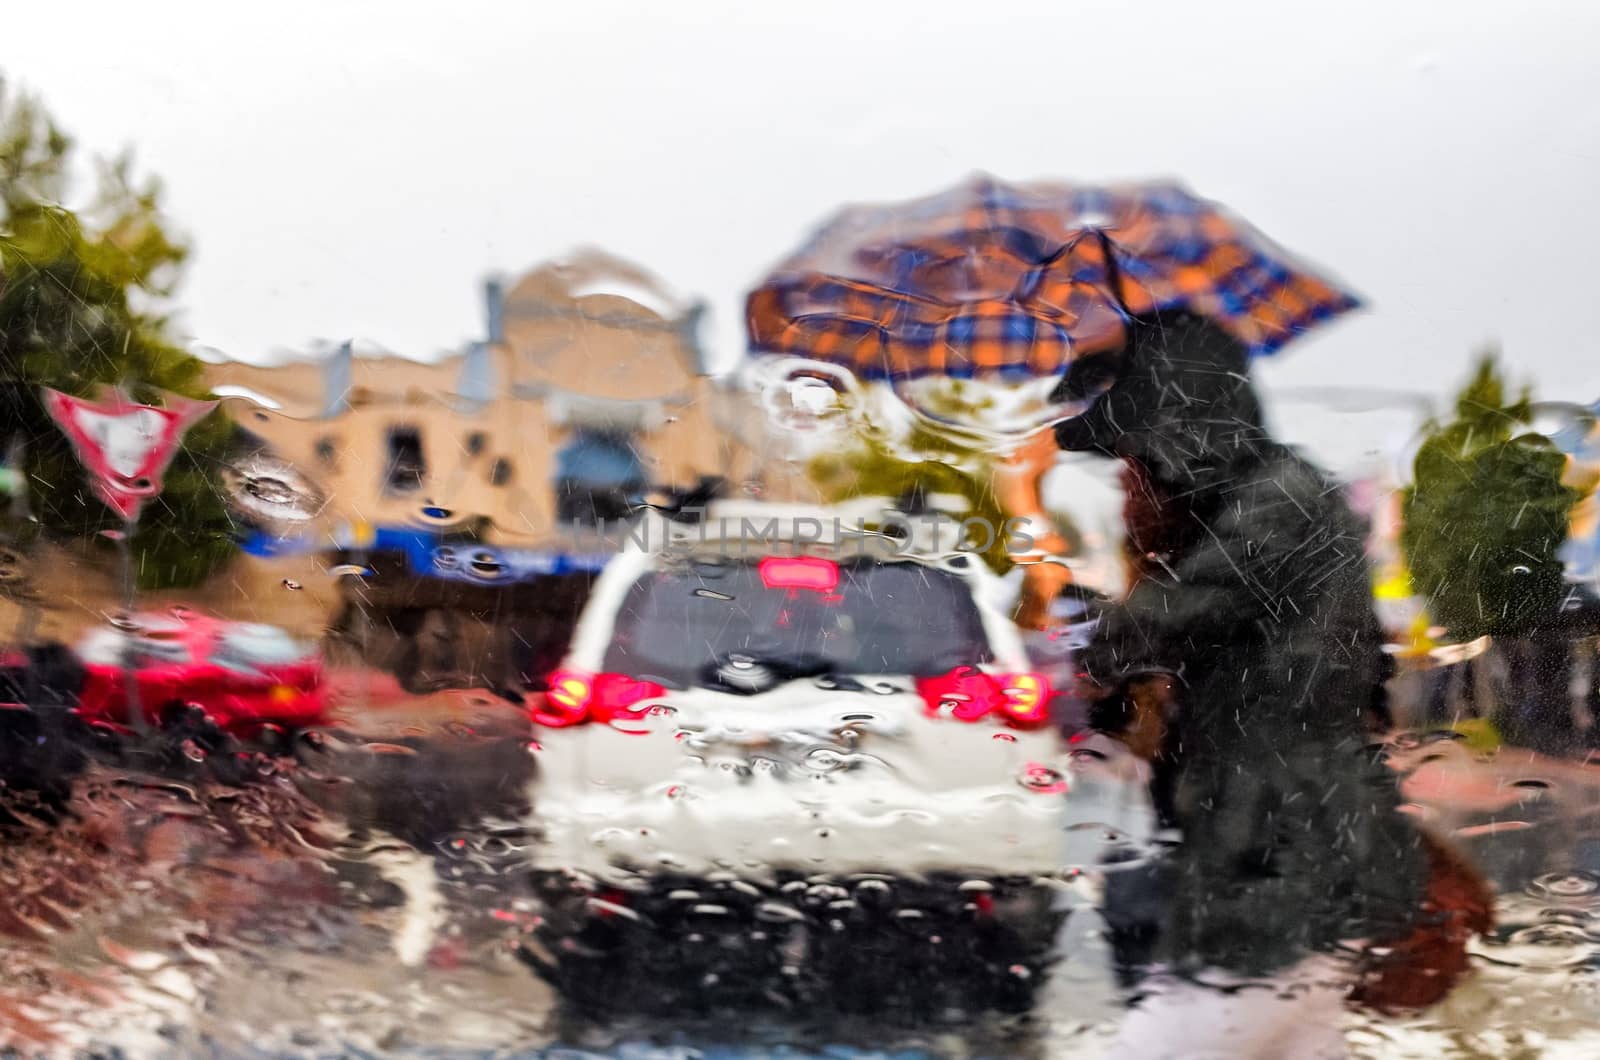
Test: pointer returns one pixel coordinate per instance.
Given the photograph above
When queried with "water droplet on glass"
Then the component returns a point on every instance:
(270, 493)
(825, 760)
(1567, 885)
(1041, 778)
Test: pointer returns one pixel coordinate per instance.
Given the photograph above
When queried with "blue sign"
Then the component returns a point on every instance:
(429, 555)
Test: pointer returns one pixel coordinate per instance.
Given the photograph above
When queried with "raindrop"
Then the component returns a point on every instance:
(12, 566)
(712, 594)
(778, 912)
(1566, 884)
(290, 583)
(270, 492)
(825, 760)
(1521, 568)
(1004, 737)
(1041, 778)
(356, 569)
(1546, 946)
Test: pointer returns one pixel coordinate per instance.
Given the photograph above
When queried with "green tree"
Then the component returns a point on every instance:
(1486, 515)
(880, 461)
(80, 297)
(872, 464)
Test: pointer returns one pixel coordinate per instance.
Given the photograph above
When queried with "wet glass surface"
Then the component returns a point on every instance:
(978, 648)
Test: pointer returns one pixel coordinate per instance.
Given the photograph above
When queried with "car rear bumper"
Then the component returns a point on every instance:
(858, 942)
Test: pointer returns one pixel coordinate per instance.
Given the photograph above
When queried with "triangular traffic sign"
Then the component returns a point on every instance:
(125, 446)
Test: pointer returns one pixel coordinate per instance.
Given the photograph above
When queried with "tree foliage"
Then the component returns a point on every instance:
(1487, 514)
(872, 466)
(878, 460)
(80, 293)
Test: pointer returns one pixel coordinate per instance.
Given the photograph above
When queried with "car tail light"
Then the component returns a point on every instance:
(965, 693)
(969, 694)
(1026, 699)
(574, 697)
(799, 572)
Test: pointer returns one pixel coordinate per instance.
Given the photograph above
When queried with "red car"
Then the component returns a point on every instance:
(244, 676)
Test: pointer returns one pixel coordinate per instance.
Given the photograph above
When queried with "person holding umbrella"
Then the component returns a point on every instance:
(1004, 285)
(1246, 655)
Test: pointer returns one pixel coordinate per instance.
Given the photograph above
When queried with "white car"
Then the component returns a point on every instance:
(797, 765)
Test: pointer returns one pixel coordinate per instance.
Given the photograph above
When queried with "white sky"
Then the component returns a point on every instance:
(355, 169)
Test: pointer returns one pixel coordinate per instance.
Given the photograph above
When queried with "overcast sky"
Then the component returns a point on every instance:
(355, 169)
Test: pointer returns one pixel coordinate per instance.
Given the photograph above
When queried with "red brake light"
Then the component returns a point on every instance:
(1026, 699)
(799, 572)
(968, 694)
(575, 697)
(965, 693)
(566, 702)
(615, 695)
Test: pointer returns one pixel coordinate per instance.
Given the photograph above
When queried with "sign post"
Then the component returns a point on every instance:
(126, 447)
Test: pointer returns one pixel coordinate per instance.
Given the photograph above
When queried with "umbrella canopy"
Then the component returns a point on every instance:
(1016, 280)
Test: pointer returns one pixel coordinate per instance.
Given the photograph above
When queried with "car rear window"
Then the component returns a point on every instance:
(680, 622)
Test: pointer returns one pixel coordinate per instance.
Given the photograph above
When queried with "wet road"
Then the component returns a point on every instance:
(369, 898)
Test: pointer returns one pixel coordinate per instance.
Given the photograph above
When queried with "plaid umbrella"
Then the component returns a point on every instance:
(1018, 279)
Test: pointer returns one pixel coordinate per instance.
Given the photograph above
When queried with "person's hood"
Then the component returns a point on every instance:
(1177, 400)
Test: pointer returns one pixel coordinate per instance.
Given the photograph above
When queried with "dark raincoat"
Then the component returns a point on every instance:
(1252, 588)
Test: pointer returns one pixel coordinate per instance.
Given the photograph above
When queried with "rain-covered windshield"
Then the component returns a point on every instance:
(919, 530)
(680, 623)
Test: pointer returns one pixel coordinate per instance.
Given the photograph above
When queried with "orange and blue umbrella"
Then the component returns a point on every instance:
(1017, 280)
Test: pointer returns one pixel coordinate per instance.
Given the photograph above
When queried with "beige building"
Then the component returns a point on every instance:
(591, 389)
(590, 393)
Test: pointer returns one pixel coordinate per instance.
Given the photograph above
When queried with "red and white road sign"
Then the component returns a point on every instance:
(125, 446)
